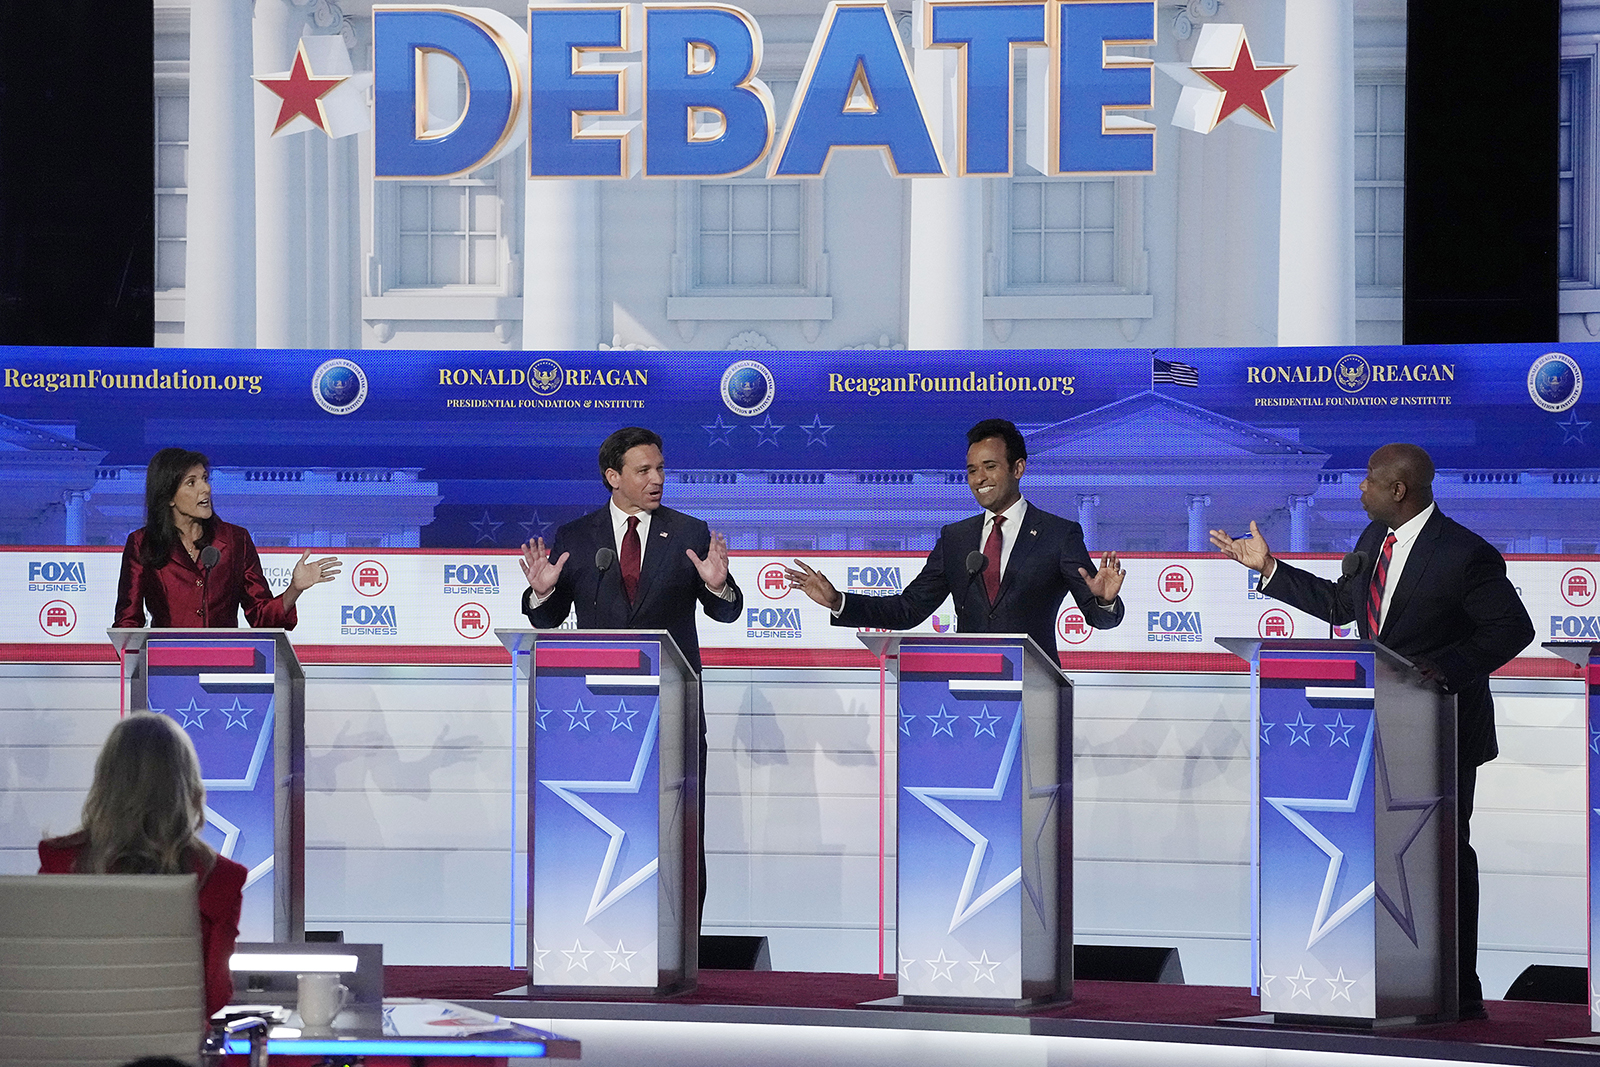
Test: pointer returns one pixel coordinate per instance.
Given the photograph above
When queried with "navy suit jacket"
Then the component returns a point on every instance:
(669, 586)
(1454, 607)
(1042, 570)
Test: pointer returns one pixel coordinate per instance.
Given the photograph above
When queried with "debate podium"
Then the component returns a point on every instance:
(1583, 654)
(984, 819)
(1355, 813)
(240, 695)
(613, 811)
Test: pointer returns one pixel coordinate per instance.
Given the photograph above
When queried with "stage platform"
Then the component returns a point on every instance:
(1180, 1022)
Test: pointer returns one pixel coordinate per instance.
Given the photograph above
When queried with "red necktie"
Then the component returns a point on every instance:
(630, 558)
(1380, 576)
(991, 552)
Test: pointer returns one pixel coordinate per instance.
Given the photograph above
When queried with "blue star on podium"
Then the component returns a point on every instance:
(580, 717)
(905, 722)
(1300, 730)
(931, 797)
(235, 715)
(191, 715)
(983, 722)
(1290, 808)
(1339, 731)
(943, 722)
(603, 897)
(622, 718)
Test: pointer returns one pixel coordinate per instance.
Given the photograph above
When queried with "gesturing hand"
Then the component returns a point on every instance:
(814, 584)
(713, 570)
(1107, 582)
(1252, 551)
(309, 572)
(542, 575)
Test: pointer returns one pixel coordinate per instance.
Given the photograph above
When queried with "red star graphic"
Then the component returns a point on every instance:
(302, 93)
(1244, 84)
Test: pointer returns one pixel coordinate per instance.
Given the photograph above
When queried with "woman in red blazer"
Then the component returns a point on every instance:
(188, 568)
(143, 815)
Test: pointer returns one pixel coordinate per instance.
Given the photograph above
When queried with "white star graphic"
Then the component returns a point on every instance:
(766, 431)
(905, 965)
(1050, 793)
(622, 718)
(1302, 983)
(1387, 804)
(577, 956)
(538, 956)
(1341, 985)
(1266, 982)
(1300, 730)
(983, 967)
(1339, 731)
(1265, 740)
(235, 715)
(620, 957)
(540, 715)
(191, 715)
(941, 967)
(568, 790)
(905, 723)
(1572, 428)
(983, 722)
(943, 721)
(931, 796)
(488, 529)
(816, 432)
(1290, 807)
(580, 717)
(719, 432)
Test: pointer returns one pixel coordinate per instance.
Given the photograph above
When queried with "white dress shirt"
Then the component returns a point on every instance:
(1405, 536)
(1008, 530)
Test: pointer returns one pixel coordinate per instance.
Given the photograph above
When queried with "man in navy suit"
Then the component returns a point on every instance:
(635, 565)
(1008, 568)
(1436, 593)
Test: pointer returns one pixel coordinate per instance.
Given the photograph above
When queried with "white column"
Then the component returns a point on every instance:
(314, 195)
(1299, 523)
(1087, 502)
(561, 266)
(1197, 522)
(945, 245)
(220, 301)
(280, 190)
(74, 499)
(344, 245)
(1316, 248)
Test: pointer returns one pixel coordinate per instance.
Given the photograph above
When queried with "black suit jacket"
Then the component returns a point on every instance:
(669, 586)
(1042, 570)
(1454, 607)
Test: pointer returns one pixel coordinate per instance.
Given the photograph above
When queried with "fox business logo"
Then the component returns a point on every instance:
(56, 576)
(1574, 627)
(873, 581)
(782, 623)
(368, 620)
(1166, 627)
(471, 579)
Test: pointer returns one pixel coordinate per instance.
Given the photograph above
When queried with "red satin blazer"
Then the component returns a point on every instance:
(221, 899)
(183, 594)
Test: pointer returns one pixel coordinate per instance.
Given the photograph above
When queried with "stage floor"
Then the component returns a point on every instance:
(1516, 1032)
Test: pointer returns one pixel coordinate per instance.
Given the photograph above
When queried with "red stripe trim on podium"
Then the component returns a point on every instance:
(199, 656)
(588, 659)
(952, 664)
(1311, 670)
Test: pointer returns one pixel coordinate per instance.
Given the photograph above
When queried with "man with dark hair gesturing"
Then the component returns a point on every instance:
(1008, 568)
(635, 565)
(1436, 593)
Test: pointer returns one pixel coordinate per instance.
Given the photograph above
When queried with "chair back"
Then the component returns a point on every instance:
(99, 969)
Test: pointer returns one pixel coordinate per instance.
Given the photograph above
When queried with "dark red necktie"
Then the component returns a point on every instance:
(991, 552)
(1380, 576)
(630, 558)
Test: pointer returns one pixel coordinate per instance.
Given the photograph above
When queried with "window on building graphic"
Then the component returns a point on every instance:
(172, 190)
(750, 234)
(1063, 232)
(1380, 185)
(1573, 255)
(449, 232)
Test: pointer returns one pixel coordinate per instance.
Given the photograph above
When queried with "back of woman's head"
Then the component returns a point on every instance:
(161, 480)
(146, 806)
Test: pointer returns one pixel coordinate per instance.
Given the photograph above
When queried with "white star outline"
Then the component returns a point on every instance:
(941, 967)
(567, 790)
(538, 955)
(1299, 978)
(620, 958)
(1341, 986)
(1322, 923)
(577, 956)
(235, 715)
(931, 795)
(983, 967)
(1389, 803)
(1300, 730)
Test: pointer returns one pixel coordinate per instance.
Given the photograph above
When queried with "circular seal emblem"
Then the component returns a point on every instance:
(1175, 583)
(1352, 373)
(772, 582)
(57, 618)
(748, 388)
(1071, 627)
(472, 620)
(1275, 623)
(544, 376)
(1555, 381)
(339, 386)
(1578, 587)
(369, 577)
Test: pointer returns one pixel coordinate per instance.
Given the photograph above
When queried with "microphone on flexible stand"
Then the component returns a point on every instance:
(1352, 564)
(209, 556)
(976, 563)
(603, 559)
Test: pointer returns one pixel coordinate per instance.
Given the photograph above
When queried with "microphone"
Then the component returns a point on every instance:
(209, 556)
(603, 559)
(976, 562)
(1352, 564)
